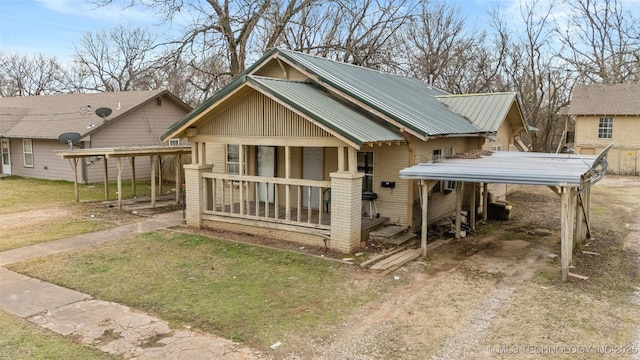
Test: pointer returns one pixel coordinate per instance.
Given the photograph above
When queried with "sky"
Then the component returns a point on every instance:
(51, 27)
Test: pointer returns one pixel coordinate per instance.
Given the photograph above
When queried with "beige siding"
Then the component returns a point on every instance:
(46, 164)
(502, 137)
(623, 156)
(440, 204)
(143, 126)
(387, 163)
(257, 115)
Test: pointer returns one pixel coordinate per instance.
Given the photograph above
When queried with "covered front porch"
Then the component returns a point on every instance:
(288, 203)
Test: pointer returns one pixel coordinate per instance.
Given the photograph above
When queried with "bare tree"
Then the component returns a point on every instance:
(442, 50)
(363, 32)
(228, 26)
(21, 75)
(539, 78)
(602, 41)
(122, 59)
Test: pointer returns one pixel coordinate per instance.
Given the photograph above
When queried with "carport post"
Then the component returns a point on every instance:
(566, 234)
(106, 178)
(472, 207)
(459, 187)
(485, 203)
(425, 202)
(74, 166)
(153, 180)
(119, 166)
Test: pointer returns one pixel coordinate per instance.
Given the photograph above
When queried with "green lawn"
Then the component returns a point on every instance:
(241, 292)
(31, 205)
(23, 194)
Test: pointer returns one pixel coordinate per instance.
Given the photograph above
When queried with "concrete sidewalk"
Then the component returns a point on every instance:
(113, 328)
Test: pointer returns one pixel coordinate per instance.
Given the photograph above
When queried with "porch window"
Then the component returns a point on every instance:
(437, 154)
(605, 128)
(365, 165)
(233, 160)
(27, 150)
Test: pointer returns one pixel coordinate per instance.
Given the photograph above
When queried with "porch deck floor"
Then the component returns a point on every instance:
(313, 218)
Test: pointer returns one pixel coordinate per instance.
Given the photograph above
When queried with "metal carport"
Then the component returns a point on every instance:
(568, 175)
(130, 152)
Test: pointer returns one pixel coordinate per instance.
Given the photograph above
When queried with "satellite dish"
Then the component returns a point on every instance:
(69, 138)
(103, 112)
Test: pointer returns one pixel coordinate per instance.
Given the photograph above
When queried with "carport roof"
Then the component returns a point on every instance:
(512, 167)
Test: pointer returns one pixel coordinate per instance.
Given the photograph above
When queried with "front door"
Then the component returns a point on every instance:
(266, 166)
(311, 170)
(5, 154)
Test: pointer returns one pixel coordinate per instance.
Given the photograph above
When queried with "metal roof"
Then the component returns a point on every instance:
(321, 107)
(486, 111)
(598, 99)
(408, 101)
(512, 167)
(46, 116)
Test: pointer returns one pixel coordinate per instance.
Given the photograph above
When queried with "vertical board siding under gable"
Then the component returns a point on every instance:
(275, 70)
(258, 115)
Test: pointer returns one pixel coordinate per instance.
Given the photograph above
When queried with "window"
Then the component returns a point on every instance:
(365, 165)
(450, 151)
(449, 185)
(174, 142)
(233, 160)
(158, 101)
(437, 154)
(605, 128)
(496, 147)
(27, 149)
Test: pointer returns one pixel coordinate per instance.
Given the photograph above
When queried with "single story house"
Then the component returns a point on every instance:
(605, 114)
(31, 129)
(306, 149)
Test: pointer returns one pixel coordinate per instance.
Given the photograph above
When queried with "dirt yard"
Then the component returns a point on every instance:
(499, 295)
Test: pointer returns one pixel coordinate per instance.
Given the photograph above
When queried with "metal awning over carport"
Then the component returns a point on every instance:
(130, 152)
(569, 175)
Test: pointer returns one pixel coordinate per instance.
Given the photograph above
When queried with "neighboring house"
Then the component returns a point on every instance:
(296, 146)
(30, 128)
(606, 114)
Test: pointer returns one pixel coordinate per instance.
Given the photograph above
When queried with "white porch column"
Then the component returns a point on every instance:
(346, 202)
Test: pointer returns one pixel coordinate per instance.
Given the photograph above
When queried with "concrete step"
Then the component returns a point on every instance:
(401, 239)
(387, 233)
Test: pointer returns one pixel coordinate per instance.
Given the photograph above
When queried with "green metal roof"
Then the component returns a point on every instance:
(486, 111)
(408, 101)
(318, 105)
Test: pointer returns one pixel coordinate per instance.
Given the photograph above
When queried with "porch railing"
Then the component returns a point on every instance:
(267, 199)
